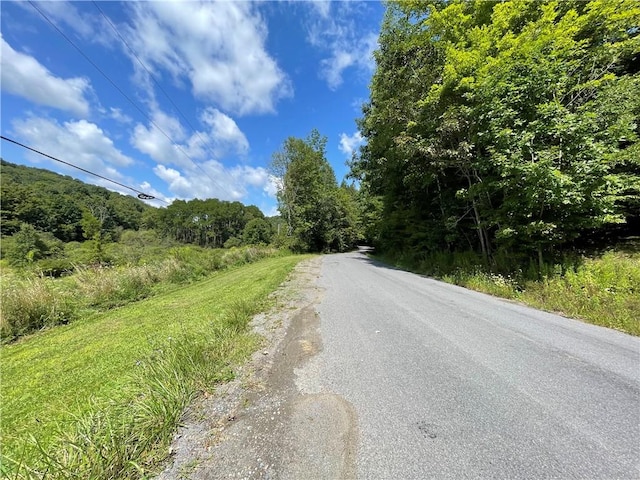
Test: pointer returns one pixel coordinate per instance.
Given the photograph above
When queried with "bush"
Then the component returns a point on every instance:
(232, 242)
(54, 267)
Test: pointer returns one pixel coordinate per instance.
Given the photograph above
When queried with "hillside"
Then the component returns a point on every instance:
(55, 203)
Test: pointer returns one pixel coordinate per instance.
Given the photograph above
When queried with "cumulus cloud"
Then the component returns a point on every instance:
(338, 36)
(219, 48)
(169, 149)
(82, 143)
(118, 116)
(231, 184)
(348, 143)
(191, 166)
(171, 145)
(225, 132)
(23, 75)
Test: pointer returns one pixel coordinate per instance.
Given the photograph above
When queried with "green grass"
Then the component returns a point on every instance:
(54, 380)
(603, 290)
(32, 301)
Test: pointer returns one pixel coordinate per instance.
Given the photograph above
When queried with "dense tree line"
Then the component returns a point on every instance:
(213, 223)
(42, 213)
(57, 204)
(506, 126)
(320, 216)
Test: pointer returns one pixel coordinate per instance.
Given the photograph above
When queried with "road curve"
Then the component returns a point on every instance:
(450, 383)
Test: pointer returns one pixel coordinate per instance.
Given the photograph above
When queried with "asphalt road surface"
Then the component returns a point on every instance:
(450, 383)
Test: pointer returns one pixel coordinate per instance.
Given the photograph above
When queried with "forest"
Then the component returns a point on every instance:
(51, 222)
(509, 129)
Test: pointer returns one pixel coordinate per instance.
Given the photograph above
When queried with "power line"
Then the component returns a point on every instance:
(141, 195)
(44, 15)
(152, 76)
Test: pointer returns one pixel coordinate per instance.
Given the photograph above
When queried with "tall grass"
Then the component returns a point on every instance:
(31, 304)
(604, 290)
(100, 398)
(127, 439)
(39, 302)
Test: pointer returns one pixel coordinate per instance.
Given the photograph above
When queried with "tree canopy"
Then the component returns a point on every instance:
(320, 215)
(503, 125)
(56, 204)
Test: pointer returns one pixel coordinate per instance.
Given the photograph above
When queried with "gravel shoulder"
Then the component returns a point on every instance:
(273, 420)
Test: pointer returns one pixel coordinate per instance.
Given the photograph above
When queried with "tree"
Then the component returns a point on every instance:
(92, 230)
(257, 231)
(503, 125)
(27, 246)
(309, 198)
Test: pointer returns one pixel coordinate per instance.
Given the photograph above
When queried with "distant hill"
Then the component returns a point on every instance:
(55, 203)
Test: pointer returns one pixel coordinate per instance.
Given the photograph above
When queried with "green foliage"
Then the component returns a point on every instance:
(54, 203)
(257, 232)
(37, 302)
(32, 304)
(121, 379)
(26, 247)
(232, 242)
(320, 216)
(603, 290)
(207, 223)
(504, 126)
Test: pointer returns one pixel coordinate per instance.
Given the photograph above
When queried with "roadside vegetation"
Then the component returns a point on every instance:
(101, 396)
(502, 144)
(32, 301)
(603, 290)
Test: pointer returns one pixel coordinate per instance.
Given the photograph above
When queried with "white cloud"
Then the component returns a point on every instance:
(225, 132)
(118, 116)
(150, 140)
(82, 143)
(201, 174)
(348, 143)
(230, 183)
(337, 35)
(89, 27)
(23, 75)
(223, 137)
(218, 47)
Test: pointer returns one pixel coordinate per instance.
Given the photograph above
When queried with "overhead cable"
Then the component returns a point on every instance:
(152, 76)
(141, 195)
(86, 57)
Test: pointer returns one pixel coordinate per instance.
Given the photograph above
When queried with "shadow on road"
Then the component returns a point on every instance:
(364, 253)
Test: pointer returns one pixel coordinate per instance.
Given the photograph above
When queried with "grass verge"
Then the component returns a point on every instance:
(99, 398)
(604, 290)
(32, 301)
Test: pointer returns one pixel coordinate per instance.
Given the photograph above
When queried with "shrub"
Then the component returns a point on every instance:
(54, 267)
(232, 242)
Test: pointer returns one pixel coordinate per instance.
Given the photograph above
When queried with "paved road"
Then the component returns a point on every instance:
(449, 383)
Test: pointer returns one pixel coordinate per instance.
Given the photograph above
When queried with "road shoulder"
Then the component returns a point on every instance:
(266, 424)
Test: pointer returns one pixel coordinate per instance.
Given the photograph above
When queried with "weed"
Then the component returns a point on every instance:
(602, 290)
(32, 304)
(109, 391)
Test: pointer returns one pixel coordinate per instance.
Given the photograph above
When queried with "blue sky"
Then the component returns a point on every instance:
(244, 76)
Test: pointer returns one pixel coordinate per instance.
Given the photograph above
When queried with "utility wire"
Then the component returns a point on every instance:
(141, 195)
(152, 76)
(44, 15)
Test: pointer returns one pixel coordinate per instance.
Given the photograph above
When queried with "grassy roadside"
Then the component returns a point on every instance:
(604, 290)
(100, 396)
